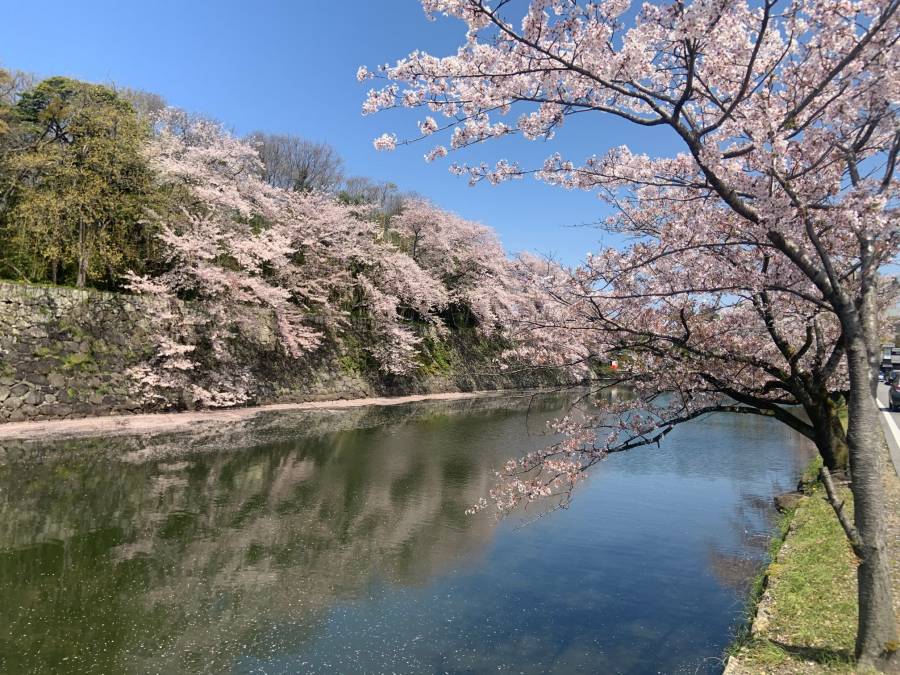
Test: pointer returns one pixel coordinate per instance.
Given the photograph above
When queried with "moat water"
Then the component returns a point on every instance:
(339, 543)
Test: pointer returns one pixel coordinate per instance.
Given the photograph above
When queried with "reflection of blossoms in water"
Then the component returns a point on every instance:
(349, 552)
(275, 533)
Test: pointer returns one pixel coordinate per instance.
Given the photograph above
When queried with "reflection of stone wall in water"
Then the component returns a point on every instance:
(199, 554)
(64, 353)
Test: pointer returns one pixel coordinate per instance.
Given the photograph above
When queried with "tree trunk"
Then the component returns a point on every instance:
(869, 313)
(829, 436)
(825, 428)
(877, 631)
(81, 279)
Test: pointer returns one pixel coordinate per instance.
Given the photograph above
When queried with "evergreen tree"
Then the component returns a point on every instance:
(78, 184)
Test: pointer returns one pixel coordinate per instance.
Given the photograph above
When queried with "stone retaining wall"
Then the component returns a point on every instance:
(65, 353)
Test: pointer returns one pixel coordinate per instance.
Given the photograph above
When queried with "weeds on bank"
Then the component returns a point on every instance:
(813, 612)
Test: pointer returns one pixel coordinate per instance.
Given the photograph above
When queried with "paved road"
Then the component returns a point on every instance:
(890, 423)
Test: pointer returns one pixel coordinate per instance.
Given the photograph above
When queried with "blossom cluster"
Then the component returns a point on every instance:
(318, 265)
(757, 251)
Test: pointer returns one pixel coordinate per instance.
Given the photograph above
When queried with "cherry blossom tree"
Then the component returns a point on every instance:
(320, 264)
(466, 257)
(788, 117)
(390, 284)
(226, 241)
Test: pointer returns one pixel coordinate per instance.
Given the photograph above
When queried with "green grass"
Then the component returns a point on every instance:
(810, 476)
(813, 587)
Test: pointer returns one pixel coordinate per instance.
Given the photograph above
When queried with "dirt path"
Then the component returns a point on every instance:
(180, 421)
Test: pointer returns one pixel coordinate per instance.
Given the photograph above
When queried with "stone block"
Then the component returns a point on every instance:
(37, 379)
(787, 501)
(44, 366)
(83, 409)
(56, 410)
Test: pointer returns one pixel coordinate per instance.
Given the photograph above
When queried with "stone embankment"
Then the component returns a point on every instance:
(66, 353)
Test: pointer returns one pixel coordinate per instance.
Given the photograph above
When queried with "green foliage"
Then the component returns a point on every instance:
(77, 186)
(79, 361)
(354, 359)
(436, 357)
(6, 84)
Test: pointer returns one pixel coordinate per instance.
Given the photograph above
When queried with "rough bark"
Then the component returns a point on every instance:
(868, 312)
(877, 630)
(829, 437)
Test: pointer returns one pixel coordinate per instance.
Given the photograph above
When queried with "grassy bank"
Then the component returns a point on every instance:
(804, 603)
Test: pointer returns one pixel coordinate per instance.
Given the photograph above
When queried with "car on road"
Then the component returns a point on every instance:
(894, 395)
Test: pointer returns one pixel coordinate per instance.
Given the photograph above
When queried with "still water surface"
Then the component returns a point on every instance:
(349, 551)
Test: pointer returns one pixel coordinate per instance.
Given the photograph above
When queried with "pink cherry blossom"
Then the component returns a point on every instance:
(760, 245)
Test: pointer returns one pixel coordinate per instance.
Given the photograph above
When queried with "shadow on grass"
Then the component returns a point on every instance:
(823, 655)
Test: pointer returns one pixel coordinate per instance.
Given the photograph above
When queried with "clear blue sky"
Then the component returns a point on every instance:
(289, 67)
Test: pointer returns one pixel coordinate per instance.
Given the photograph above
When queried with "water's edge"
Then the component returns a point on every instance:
(159, 435)
(116, 425)
(759, 601)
